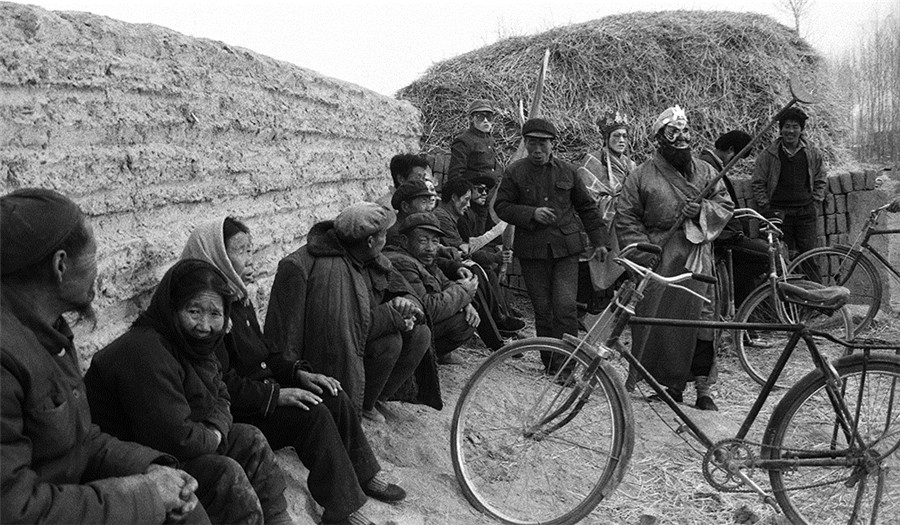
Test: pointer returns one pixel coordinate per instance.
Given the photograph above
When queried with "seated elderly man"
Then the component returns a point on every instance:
(448, 304)
(339, 304)
(411, 197)
(57, 466)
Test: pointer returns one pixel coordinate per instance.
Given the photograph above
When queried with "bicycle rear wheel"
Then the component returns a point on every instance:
(853, 483)
(759, 350)
(530, 448)
(839, 266)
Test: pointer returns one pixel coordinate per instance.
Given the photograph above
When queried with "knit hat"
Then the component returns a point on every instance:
(33, 223)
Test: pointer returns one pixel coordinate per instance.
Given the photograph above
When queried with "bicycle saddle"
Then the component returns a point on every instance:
(828, 298)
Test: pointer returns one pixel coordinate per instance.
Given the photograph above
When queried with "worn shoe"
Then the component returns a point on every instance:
(706, 403)
(356, 518)
(381, 490)
(450, 359)
(373, 415)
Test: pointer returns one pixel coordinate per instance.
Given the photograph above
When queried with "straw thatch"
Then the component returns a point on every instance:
(728, 70)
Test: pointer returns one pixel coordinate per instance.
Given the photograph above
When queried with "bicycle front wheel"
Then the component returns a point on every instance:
(830, 477)
(759, 350)
(534, 448)
(839, 266)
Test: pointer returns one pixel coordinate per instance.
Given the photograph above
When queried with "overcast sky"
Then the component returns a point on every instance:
(386, 44)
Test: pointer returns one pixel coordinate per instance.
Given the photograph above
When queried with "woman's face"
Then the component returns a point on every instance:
(203, 315)
(618, 141)
(240, 252)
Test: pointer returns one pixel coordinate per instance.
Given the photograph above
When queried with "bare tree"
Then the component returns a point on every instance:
(797, 8)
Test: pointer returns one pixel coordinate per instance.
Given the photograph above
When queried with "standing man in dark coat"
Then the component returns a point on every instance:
(789, 180)
(541, 195)
(473, 154)
(57, 467)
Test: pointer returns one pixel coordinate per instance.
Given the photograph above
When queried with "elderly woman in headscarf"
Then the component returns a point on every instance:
(292, 405)
(160, 384)
(603, 173)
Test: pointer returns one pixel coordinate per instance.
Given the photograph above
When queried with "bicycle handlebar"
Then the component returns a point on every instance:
(643, 271)
(750, 212)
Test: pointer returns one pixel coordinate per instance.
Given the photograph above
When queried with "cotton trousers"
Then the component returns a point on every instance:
(552, 285)
(330, 442)
(799, 229)
(390, 360)
(449, 334)
(241, 483)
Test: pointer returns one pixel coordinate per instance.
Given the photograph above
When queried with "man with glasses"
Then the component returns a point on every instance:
(473, 153)
(657, 195)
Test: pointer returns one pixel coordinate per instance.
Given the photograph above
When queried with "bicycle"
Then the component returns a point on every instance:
(758, 350)
(849, 266)
(523, 440)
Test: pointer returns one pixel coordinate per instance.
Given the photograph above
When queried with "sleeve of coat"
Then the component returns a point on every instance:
(250, 395)
(759, 181)
(27, 499)
(150, 388)
(459, 158)
(507, 204)
(586, 207)
(820, 180)
(286, 316)
(630, 213)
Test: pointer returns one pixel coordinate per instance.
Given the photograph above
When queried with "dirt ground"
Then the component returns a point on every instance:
(663, 484)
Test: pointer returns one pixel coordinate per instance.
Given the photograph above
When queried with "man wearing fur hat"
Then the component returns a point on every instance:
(603, 173)
(339, 304)
(542, 196)
(658, 194)
(473, 153)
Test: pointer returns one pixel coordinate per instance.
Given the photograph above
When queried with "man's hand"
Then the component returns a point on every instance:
(895, 206)
(643, 258)
(216, 433)
(175, 488)
(691, 209)
(469, 285)
(464, 273)
(472, 317)
(406, 307)
(318, 383)
(601, 253)
(506, 256)
(297, 397)
(544, 215)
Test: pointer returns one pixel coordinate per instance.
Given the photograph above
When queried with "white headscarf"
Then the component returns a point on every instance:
(207, 243)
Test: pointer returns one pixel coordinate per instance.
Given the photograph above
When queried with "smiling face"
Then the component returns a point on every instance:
(423, 244)
(202, 316)
(791, 132)
(240, 252)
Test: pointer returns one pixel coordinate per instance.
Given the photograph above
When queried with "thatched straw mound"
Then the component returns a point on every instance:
(728, 70)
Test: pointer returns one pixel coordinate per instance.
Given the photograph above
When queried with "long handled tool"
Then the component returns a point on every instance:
(799, 93)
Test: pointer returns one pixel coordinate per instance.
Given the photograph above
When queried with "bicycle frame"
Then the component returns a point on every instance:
(869, 231)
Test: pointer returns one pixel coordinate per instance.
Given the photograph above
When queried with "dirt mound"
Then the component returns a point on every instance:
(728, 70)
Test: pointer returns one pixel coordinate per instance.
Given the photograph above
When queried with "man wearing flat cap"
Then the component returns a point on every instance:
(339, 304)
(657, 195)
(411, 197)
(543, 197)
(447, 303)
(473, 153)
(57, 466)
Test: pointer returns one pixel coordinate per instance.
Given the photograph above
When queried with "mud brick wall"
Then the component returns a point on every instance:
(153, 132)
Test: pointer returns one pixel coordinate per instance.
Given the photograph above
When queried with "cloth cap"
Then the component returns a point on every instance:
(359, 221)
(33, 223)
(539, 128)
(409, 190)
(424, 220)
(670, 115)
(480, 105)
